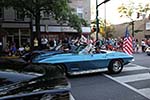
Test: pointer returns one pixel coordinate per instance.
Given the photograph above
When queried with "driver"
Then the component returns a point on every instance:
(97, 50)
(87, 49)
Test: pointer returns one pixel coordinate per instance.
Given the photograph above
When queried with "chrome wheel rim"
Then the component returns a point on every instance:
(117, 66)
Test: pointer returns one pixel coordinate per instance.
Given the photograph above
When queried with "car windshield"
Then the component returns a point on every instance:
(79, 48)
(83, 49)
(88, 49)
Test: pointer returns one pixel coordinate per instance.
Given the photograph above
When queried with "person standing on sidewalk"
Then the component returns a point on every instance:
(137, 46)
(143, 44)
(44, 42)
(36, 44)
(1, 46)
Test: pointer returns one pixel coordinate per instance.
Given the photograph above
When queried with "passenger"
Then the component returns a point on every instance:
(97, 50)
(87, 49)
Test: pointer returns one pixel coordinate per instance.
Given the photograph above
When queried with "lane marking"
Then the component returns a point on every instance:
(145, 91)
(138, 65)
(134, 68)
(122, 79)
(133, 78)
(71, 97)
(128, 86)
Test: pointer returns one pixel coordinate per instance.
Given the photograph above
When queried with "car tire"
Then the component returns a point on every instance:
(62, 68)
(115, 66)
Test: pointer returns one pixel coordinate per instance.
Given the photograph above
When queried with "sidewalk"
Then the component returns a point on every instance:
(13, 58)
(10, 57)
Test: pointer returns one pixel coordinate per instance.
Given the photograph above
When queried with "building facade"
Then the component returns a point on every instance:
(141, 29)
(15, 28)
(18, 28)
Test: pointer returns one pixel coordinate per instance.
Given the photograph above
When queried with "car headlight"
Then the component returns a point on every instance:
(133, 60)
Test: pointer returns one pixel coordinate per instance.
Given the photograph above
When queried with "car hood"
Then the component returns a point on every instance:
(16, 84)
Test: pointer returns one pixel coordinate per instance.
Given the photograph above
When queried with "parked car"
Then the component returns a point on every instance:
(148, 51)
(85, 59)
(31, 55)
(32, 82)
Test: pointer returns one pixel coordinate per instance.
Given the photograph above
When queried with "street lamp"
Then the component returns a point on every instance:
(97, 20)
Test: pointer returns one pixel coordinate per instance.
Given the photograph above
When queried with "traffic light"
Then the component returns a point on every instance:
(102, 30)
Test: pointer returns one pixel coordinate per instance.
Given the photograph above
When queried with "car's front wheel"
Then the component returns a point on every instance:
(115, 66)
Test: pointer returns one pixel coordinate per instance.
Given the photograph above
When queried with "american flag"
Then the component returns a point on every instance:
(127, 43)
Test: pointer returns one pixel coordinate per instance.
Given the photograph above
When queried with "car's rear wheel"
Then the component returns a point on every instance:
(115, 66)
(63, 69)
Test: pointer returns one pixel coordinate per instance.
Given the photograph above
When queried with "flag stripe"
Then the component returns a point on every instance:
(127, 43)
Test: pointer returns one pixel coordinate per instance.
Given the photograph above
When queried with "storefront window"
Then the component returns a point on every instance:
(1, 12)
(69, 1)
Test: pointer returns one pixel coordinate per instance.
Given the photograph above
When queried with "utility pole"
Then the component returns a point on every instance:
(97, 20)
(132, 23)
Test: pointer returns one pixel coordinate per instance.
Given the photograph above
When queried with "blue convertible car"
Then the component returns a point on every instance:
(85, 60)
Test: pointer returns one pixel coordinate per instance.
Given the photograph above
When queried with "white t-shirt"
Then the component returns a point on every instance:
(21, 48)
(44, 41)
(143, 43)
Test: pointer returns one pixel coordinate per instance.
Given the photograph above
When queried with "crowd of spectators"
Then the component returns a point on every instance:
(12, 50)
(113, 44)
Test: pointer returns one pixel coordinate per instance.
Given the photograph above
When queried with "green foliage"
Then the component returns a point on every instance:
(59, 9)
(128, 9)
(143, 9)
(104, 29)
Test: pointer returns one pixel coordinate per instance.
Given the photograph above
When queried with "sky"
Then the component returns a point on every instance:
(112, 14)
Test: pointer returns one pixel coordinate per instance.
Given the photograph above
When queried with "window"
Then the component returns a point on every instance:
(80, 15)
(1, 12)
(45, 14)
(20, 15)
(69, 1)
(80, 12)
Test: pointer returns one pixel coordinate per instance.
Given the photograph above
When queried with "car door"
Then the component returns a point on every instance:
(93, 61)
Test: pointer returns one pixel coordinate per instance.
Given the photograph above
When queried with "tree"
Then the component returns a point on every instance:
(59, 9)
(127, 10)
(142, 10)
(130, 9)
(105, 27)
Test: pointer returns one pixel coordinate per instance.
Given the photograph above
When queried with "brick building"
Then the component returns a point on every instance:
(141, 28)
